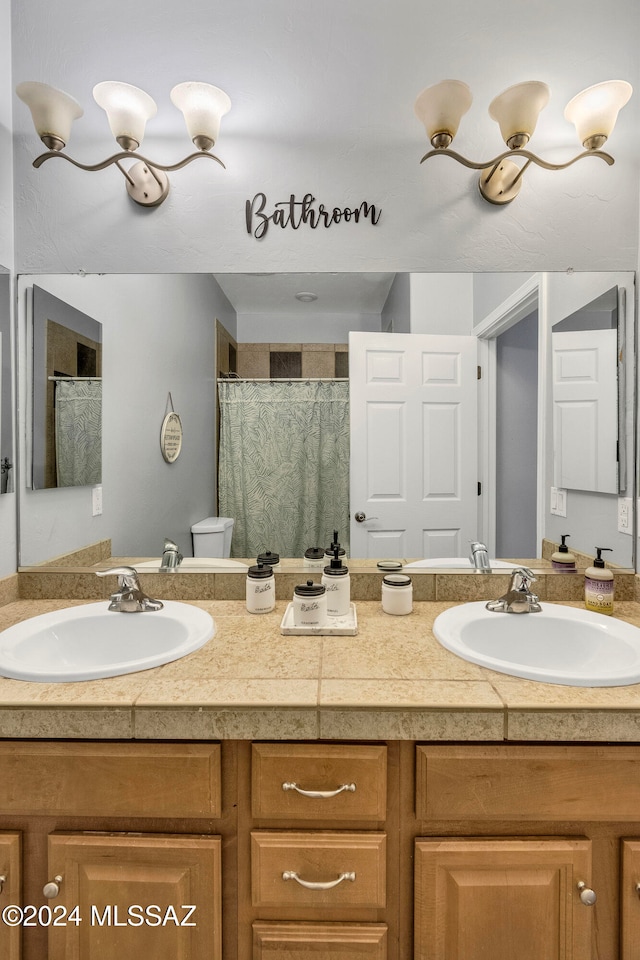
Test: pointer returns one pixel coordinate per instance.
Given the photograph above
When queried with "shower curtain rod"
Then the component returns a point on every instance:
(74, 378)
(283, 379)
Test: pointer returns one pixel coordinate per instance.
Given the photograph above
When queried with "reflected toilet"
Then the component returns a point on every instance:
(212, 537)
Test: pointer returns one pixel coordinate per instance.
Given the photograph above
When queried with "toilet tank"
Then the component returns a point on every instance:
(212, 537)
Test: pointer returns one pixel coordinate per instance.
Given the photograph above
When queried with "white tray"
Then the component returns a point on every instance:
(334, 627)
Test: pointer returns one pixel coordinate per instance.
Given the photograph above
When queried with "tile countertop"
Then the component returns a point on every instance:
(391, 681)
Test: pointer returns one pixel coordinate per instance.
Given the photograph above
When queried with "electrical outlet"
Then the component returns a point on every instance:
(624, 515)
(96, 500)
(558, 502)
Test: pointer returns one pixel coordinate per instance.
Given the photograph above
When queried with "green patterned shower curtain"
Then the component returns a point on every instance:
(78, 432)
(284, 464)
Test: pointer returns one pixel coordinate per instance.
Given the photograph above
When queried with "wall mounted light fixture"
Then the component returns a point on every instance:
(593, 111)
(128, 109)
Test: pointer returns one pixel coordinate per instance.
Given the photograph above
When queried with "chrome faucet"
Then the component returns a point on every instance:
(479, 557)
(518, 598)
(129, 597)
(171, 556)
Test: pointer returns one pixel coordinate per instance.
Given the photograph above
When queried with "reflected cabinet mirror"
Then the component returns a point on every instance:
(67, 394)
(523, 353)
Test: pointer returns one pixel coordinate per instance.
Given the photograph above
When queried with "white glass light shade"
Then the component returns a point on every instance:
(128, 108)
(53, 111)
(442, 106)
(594, 111)
(517, 108)
(203, 106)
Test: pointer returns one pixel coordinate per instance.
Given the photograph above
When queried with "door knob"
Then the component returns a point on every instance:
(360, 517)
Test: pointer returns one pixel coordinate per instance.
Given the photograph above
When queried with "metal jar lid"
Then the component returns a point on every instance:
(260, 571)
(314, 553)
(269, 557)
(309, 589)
(336, 571)
(397, 580)
(389, 565)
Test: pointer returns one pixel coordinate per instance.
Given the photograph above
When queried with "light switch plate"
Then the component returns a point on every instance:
(558, 503)
(624, 515)
(96, 501)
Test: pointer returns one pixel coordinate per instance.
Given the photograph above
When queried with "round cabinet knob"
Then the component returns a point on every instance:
(587, 895)
(52, 888)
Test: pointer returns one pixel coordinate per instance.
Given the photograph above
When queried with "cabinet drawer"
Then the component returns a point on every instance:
(110, 779)
(527, 783)
(10, 891)
(318, 781)
(318, 869)
(319, 941)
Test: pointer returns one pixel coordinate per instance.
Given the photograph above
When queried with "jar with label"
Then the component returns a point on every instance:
(309, 605)
(337, 583)
(269, 558)
(314, 558)
(261, 589)
(397, 594)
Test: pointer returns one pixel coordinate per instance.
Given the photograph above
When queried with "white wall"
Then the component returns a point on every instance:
(441, 303)
(283, 328)
(322, 103)
(158, 337)
(396, 313)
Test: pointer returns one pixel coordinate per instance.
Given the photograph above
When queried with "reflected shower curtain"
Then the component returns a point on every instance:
(284, 464)
(78, 424)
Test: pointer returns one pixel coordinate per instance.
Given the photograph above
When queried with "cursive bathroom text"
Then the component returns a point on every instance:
(297, 213)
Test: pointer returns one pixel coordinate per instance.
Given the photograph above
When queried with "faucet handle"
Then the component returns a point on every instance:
(521, 578)
(127, 577)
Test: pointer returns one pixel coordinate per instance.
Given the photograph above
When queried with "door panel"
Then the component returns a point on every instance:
(413, 402)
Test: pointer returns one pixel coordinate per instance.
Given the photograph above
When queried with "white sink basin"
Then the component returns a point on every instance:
(199, 564)
(90, 641)
(459, 562)
(558, 645)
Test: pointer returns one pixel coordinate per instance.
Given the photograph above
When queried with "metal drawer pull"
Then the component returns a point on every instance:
(317, 885)
(587, 896)
(3, 880)
(637, 889)
(52, 889)
(320, 794)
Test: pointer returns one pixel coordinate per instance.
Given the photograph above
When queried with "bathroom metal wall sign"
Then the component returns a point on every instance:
(171, 434)
(295, 213)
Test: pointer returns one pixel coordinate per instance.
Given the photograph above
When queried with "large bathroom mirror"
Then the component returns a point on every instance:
(159, 338)
(66, 438)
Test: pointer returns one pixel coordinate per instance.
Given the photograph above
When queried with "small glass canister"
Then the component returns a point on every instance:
(397, 594)
(309, 605)
(261, 589)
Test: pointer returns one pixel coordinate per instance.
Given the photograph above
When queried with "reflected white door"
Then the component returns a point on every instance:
(414, 463)
(585, 410)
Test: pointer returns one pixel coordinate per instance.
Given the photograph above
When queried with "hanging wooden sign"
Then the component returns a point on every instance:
(171, 435)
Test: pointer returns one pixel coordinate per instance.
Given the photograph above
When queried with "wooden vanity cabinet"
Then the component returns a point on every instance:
(10, 892)
(318, 851)
(519, 839)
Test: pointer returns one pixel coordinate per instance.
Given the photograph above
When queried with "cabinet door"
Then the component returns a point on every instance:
(630, 901)
(10, 887)
(134, 895)
(477, 898)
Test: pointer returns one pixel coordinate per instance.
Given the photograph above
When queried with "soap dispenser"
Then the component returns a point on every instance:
(337, 583)
(562, 560)
(330, 551)
(598, 585)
